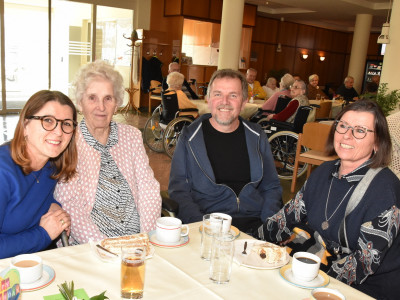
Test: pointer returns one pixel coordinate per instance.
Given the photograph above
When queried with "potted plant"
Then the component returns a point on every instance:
(386, 100)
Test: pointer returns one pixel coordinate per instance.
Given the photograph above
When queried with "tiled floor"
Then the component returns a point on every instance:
(159, 162)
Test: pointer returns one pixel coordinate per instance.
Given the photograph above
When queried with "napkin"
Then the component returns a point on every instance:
(80, 294)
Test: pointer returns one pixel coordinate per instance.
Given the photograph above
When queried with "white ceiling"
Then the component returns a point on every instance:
(331, 14)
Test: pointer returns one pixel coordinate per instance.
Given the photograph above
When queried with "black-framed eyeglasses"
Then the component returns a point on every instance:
(359, 132)
(50, 123)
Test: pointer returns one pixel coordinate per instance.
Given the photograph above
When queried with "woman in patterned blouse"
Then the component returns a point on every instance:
(360, 137)
(115, 192)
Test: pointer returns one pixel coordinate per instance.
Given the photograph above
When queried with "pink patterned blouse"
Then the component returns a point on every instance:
(78, 195)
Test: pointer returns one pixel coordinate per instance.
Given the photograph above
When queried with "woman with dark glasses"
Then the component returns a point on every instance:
(350, 207)
(42, 152)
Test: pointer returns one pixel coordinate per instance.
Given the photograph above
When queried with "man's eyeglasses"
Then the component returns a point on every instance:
(359, 132)
(49, 123)
(295, 87)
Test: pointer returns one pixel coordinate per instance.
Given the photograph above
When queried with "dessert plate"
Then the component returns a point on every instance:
(252, 259)
(108, 257)
(320, 281)
(153, 239)
(234, 231)
(48, 277)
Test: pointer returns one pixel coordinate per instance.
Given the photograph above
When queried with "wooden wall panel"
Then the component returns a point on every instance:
(287, 33)
(209, 70)
(249, 14)
(269, 59)
(196, 72)
(266, 30)
(373, 46)
(172, 7)
(305, 36)
(340, 42)
(302, 67)
(197, 8)
(336, 64)
(323, 39)
(257, 59)
(285, 59)
(215, 10)
(320, 67)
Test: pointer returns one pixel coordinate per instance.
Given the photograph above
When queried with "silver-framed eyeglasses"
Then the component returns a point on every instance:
(359, 132)
(50, 123)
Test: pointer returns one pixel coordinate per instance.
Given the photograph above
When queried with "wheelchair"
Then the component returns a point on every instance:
(283, 137)
(162, 129)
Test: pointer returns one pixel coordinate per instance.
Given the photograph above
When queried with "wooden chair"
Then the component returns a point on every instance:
(154, 92)
(313, 138)
(324, 110)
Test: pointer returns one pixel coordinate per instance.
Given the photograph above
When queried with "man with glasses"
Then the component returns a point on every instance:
(297, 91)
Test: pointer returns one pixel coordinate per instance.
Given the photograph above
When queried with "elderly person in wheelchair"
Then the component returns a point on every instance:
(175, 81)
(297, 91)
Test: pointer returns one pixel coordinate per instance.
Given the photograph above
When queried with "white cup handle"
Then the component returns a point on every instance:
(186, 231)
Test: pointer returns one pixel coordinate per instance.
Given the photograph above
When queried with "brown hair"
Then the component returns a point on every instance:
(65, 163)
(382, 157)
(229, 73)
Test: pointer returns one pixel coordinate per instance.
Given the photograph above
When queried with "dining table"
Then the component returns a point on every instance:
(171, 273)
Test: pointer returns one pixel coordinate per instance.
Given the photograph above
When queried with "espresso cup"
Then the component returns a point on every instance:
(226, 221)
(29, 266)
(169, 229)
(325, 293)
(305, 266)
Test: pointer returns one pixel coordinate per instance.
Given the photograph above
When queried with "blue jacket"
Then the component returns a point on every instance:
(192, 181)
(23, 202)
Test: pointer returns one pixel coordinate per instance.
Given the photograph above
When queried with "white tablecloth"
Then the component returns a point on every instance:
(177, 273)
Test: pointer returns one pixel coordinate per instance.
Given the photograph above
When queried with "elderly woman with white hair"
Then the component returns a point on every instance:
(115, 192)
(313, 89)
(284, 85)
(175, 81)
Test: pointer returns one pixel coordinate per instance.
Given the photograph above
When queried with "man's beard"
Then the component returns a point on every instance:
(226, 122)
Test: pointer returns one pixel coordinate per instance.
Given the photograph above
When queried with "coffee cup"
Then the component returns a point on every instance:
(169, 229)
(226, 221)
(29, 266)
(305, 266)
(327, 294)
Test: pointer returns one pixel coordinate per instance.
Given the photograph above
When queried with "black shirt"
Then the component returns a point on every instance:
(228, 156)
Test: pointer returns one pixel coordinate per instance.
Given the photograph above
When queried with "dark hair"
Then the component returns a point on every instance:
(224, 73)
(382, 157)
(65, 163)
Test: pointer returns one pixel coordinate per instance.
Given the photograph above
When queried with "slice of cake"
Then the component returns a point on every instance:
(271, 253)
(136, 240)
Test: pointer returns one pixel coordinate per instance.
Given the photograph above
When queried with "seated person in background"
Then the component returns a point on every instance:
(286, 81)
(329, 91)
(346, 90)
(114, 192)
(254, 87)
(175, 67)
(365, 252)
(297, 92)
(371, 90)
(394, 129)
(223, 163)
(313, 89)
(296, 77)
(174, 81)
(42, 151)
(270, 88)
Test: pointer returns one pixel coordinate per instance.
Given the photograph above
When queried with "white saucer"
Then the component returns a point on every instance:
(320, 281)
(48, 277)
(153, 239)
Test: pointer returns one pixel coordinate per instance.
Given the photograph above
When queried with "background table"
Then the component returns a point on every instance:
(177, 273)
(336, 106)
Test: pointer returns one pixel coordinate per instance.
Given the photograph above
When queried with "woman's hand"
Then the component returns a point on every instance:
(269, 117)
(55, 222)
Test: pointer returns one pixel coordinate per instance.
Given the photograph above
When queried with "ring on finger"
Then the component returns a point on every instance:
(62, 222)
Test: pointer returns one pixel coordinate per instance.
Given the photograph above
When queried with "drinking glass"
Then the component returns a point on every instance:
(211, 226)
(318, 97)
(221, 257)
(132, 272)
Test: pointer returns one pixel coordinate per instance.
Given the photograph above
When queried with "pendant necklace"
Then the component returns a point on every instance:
(37, 177)
(325, 224)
